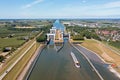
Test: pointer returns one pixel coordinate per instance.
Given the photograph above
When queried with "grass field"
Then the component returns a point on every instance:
(115, 44)
(15, 41)
(92, 45)
(10, 42)
(20, 65)
(106, 53)
(115, 47)
(16, 55)
(5, 31)
(101, 49)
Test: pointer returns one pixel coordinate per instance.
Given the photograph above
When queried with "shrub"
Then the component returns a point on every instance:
(2, 58)
(78, 37)
(41, 38)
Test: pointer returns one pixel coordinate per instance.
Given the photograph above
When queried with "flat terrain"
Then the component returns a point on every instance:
(20, 65)
(10, 42)
(22, 62)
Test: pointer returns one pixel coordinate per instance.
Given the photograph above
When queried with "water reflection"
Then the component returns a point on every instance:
(53, 65)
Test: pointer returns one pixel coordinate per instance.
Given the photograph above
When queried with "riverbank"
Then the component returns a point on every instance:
(105, 54)
(27, 67)
(89, 62)
(16, 67)
(16, 62)
(103, 51)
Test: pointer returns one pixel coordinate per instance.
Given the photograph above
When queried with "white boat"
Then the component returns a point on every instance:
(75, 60)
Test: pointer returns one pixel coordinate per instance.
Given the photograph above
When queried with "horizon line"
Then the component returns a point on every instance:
(60, 18)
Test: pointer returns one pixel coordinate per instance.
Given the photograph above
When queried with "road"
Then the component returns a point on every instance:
(53, 65)
(7, 71)
(12, 65)
(99, 64)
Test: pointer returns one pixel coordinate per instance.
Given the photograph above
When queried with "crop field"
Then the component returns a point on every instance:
(7, 42)
(17, 39)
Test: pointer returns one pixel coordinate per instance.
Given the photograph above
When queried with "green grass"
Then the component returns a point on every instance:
(20, 65)
(10, 42)
(15, 56)
(5, 31)
(92, 45)
(115, 44)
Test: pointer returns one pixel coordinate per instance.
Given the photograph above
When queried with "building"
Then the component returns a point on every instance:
(50, 37)
(56, 32)
(59, 35)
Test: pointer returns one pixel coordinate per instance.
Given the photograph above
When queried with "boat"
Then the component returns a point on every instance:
(77, 64)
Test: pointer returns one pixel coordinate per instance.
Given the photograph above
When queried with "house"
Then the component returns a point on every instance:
(6, 49)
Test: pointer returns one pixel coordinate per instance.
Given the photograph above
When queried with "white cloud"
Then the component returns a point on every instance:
(109, 5)
(32, 3)
(112, 4)
(102, 10)
(109, 9)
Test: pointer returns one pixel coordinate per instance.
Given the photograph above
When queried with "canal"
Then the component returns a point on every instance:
(56, 63)
(53, 65)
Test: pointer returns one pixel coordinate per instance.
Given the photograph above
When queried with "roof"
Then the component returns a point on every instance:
(58, 25)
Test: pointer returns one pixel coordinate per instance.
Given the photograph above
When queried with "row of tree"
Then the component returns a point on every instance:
(82, 32)
(43, 37)
(78, 37)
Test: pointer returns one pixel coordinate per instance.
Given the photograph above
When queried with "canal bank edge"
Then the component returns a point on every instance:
(110, 68)
(29, 64)
(32, 62)
(12, 66)
(89, 62)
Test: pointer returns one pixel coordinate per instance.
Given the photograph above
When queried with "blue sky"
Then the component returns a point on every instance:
(60, 9)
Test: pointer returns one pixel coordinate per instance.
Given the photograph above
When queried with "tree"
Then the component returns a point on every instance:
(95, 36)
(2, 58)
(78, 37)
(41, 38)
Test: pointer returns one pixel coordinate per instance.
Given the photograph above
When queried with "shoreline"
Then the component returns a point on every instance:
(89, 63)
(28, 65)
(114, 71)
(12, 66)
(111, 69)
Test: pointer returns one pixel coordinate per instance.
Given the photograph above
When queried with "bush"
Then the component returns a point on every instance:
(78, 37)
(115, 44)
(2, 58)
(95, 36)
(41, 38)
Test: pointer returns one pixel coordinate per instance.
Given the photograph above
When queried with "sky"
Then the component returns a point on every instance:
(25, 9)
